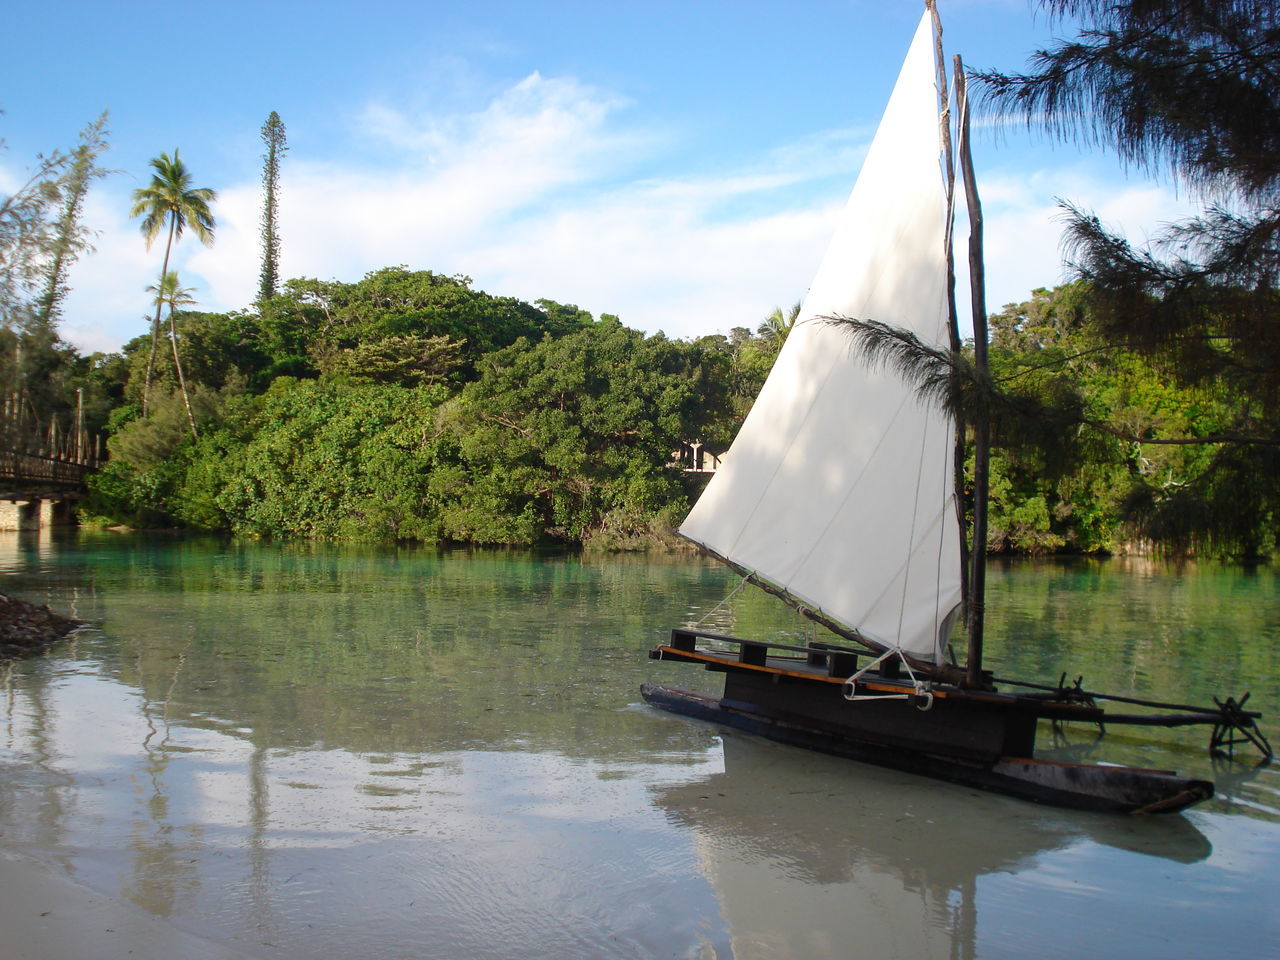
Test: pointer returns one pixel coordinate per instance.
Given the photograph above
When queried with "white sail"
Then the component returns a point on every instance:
(839, 488)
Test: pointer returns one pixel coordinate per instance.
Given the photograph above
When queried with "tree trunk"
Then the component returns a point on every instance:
(182, 381)
(155, 324)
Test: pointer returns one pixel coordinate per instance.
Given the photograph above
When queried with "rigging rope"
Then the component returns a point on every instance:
(729, 596)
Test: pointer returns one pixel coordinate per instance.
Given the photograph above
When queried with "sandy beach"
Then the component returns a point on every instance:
(44, 915)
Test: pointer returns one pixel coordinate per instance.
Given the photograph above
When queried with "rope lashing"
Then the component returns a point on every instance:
(920, 688)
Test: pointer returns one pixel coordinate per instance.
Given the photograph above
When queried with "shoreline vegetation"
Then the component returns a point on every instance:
(409, 406)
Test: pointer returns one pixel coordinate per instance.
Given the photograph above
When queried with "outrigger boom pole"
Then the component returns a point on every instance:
(1227, 716)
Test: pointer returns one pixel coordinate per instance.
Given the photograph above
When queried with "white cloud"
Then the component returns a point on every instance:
(524, 197)
(457, 181)
(543, 193)
(655, 256)
(108, 300)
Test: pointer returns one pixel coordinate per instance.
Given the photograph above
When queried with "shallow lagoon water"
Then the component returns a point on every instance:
(313, 750)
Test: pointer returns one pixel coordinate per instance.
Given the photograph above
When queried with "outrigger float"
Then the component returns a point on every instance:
(840, 496)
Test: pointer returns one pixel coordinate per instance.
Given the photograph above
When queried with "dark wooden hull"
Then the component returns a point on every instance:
(958, 740)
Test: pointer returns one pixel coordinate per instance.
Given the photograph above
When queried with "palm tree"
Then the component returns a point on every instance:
(777, 325)
(171, 293)
(170, 198)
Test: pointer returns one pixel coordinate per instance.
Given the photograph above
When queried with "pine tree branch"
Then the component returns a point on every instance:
(1217, 438)
(943, 377)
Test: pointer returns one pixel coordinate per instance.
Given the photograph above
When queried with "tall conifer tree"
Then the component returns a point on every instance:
(69, 240)
(273, 135)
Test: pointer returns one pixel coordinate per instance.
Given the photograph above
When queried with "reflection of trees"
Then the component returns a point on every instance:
(376, 649)
(1134, 613)
(382, 650)
(1140, 627)
(162, 872)
(45, 813)
(260, 877)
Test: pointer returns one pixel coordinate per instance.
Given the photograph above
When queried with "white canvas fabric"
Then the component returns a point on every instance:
(838, 487)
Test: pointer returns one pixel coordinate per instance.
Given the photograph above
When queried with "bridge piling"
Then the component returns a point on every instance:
(36, 513)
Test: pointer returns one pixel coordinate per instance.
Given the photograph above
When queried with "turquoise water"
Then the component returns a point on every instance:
(315, 750)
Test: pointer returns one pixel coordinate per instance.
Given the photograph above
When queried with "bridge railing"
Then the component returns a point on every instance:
(23, 468)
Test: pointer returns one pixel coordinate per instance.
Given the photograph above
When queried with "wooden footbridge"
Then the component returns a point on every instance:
(38, 490)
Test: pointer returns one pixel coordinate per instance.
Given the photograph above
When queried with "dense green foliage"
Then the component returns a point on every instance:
(1104, 438)
(573, 436)
(409, 405)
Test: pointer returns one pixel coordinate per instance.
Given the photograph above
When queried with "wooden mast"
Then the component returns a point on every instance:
(981, 427)
(953, 321)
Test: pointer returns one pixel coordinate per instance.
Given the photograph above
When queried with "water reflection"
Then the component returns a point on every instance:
(876, 864)
(309, 750)
(312, 850)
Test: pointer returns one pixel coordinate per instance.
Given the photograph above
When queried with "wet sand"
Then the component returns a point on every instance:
(44, 915)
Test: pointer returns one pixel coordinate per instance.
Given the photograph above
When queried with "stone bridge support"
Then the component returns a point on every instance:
(35, 513)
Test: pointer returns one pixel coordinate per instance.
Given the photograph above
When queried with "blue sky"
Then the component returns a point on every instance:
(679, 164)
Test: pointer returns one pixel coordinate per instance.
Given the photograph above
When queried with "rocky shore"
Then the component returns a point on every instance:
(26, 629)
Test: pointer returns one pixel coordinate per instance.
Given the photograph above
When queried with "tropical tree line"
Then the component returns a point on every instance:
(409, 405)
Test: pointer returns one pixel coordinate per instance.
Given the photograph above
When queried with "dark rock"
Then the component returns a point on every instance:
(26, 629)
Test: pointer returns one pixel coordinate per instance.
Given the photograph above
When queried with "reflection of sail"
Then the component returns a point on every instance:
(807, 863)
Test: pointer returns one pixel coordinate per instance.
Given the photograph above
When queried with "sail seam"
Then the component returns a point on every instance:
(911, 532)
